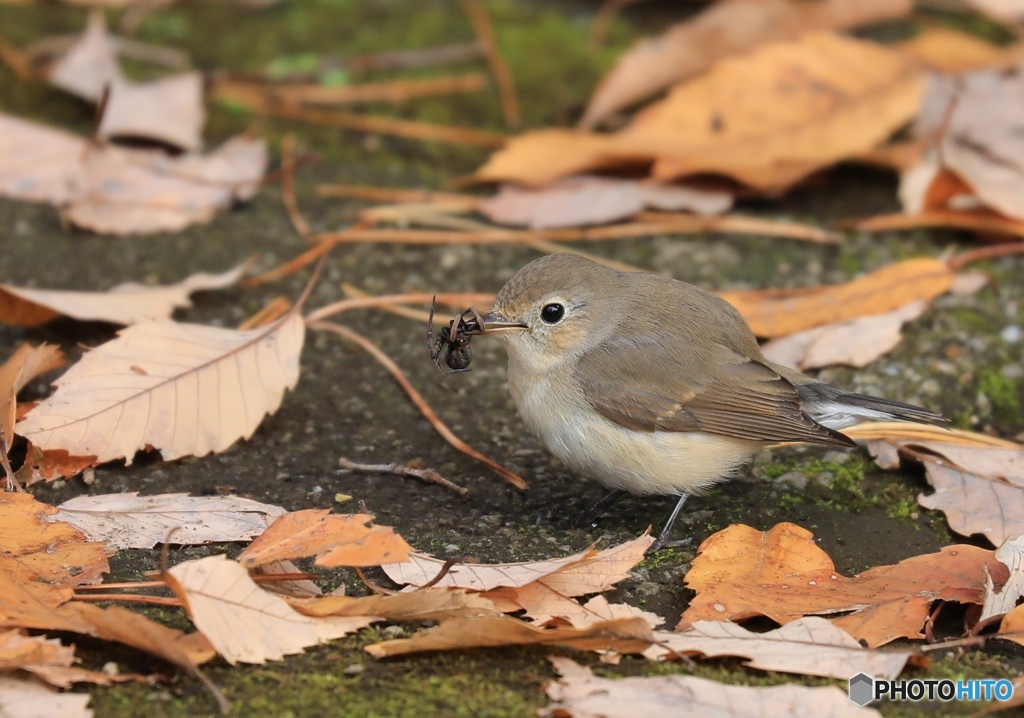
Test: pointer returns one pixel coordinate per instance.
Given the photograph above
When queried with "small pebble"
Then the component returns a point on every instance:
(341, 498)
(1011, 334)
(792, 478)
(354, 670)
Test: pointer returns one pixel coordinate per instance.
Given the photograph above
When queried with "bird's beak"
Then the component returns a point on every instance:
(494, 322)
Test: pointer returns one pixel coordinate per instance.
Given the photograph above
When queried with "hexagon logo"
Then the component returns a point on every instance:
(862, 689)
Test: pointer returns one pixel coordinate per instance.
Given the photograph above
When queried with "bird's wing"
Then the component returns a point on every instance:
(660, 384)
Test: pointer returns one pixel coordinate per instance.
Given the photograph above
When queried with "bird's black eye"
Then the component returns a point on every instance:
(552, 313)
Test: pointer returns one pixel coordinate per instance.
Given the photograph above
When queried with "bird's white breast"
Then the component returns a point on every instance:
(662, 462)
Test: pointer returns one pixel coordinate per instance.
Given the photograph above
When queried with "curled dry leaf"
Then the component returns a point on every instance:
(28, 698)
(980, 489)
(1001, 602)
(131, 521)
(625, 635)
(245, 623)
(128, 303)
(48, 660)
(335, 539)
(773, 313)
(766, 119)
(722, 30)
(588, 199)
(168, 110)
(581, 694)
(38, 548)
(809, 646)
(184, 389)
(23, 366)
(1003, 10)
(856, 342)
(740, 573)
(122, 191)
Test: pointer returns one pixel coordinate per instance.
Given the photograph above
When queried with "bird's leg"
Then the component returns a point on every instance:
(599, 508)
(667, 529)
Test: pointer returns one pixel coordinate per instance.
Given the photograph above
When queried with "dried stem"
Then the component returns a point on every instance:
(454, 300)
(130, 598)
(288, 186)
(959, 261)
(428, 475)
(499, 68)
(389, 126)
(603, 20)
(439, 426)
(392, 194)
(376, 588)
(259, 96)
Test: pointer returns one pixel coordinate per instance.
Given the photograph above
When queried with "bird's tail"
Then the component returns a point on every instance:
(838, 409)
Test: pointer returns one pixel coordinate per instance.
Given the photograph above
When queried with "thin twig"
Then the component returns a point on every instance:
(428, 475)
(440, 574)
(11, 481)
(499, 68)
(159, 583)
(983, 222)
(956, 643)
(959, 261)
(439, 426)
(259, 95)
(15, 59)
(271, 312)
(606, 14)
(410, 129)
(295, 216)
(454, 299)
(375, 587)
(130, 598)
(418, 315)
(394, 194)
(673, 224)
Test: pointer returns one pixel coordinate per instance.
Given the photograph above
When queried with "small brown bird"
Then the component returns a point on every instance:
(654, 386)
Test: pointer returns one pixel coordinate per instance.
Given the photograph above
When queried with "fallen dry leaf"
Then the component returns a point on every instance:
(626, 635)
(23, 366)
(549, 597)
(766, 119)
(184, 389)
(437, 604)
(774, 313)
(128, 303)
(856, 342)
(37, 548)
(981, 490)
(945, 50)
(335, 539)
(421, 569)
(1012, 626)
(980, 160)
(581, 694)
(50, 465)
(49, 660)
(242, 621)
(1001, 602)
(589, 199)
(741, 572)
(809, 646)
(90, 65)
(724, 29)
(28, 698)
(128, 520)
(168, 110)
(123, 191)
